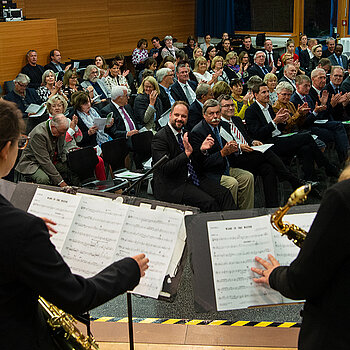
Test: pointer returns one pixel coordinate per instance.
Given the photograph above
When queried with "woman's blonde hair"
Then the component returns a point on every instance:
(151, 80)
(215, 59)
(198, 61)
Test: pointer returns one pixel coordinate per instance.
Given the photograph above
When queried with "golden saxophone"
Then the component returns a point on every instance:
(65, 333)
(296, 234)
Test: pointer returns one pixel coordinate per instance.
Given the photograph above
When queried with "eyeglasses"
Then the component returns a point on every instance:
(23, 141)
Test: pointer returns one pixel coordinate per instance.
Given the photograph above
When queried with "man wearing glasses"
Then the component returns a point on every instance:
(22, 95)
(44, 160)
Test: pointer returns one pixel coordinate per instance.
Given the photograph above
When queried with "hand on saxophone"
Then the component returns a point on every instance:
(142, 262)
(268, 268)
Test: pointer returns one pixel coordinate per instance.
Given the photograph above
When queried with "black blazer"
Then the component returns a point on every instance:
(339, 112)
(164, 98)
(140, 106)
(285, 79)
(53, 68)
(118, 130)
(31, 266)
(177, 92)
(256, 70)
(195, 115)
(304, 59)
(275, 57)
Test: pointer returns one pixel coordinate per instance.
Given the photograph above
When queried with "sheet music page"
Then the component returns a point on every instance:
(154, 233)
(91, 242)
(57, 206)
(233, 247)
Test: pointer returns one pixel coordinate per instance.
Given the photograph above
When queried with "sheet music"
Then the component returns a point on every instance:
(153, 233)
(90, 245)
(233, 247)
(57, 206)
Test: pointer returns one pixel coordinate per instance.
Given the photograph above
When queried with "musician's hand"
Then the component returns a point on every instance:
(142, 261)
(266, 271)
(49, 227)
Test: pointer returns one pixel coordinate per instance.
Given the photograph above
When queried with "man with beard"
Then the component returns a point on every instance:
(176, 181)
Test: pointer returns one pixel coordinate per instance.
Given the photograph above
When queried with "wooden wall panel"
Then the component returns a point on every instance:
(16, 38)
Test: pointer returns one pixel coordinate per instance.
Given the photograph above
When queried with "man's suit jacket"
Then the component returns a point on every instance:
(164, 98)
(177, 92)
(86, 83)
(118, 130)
(170, 178)
(334, 60)
(256, 70)
(53, 67)
(345, 86)
(339, 112)
(257, 125)
(310, 118)
(275, 57)
(195, 115)
(304, 59)
(286, 79)
(30, 265)
(40, 152)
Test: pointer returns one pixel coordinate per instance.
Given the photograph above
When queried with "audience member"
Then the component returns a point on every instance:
(314, 61)
(176, 180)
(325, 64)
(272, 58)
(290, 45)
(120, 59)
(231, 67)
(195, 115)
(116, 78)
(102, 65)
(197, 52)
(44, 160)
(221, 88)
(210, 54)
(22, 95)
(337, 58)
(240, 102)
(140, 54)
(155, 51)
(302, 45)
(220, 45)
(217, 69)
(165, 78)
(270, 80)
(206, 44)
(306, 55)
(330, 42)
(151, 64)
(169, 49)
(33, 70)
(201, 73)
(191, 45)
(289, 74)
(259, 68)
(71, 84)
(50, 86)
(56, 65)
(219, 162)
(147, 105)
(248, 48)
(226, 48)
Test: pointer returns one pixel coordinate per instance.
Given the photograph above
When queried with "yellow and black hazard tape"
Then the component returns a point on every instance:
(199, 322)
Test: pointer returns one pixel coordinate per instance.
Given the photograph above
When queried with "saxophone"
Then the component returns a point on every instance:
(65, 333)
(296, 234)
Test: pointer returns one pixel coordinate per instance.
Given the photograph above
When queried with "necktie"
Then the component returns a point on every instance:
(191, 171)
(171, 99)
(340, 63)
(237, 133)
(304, 99)
(218, 137)
(128, 120)
(270, 60)
(188, 95)
(264, 70)
(337, 90)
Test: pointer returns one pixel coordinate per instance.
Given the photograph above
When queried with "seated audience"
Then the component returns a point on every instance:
(259, 68)
(150, 64)
(116, 78)
(218, 163)
(306, 55)
(195, 115)
(56, 65)
(191, 45)
(264, 125)
(86, 114)
(22, 95)
(226, 48)
(183, 89)
(221, 88)
(140, 54)
(220, 45)
(169, 49)
(231, 67)
(289, 74)
(248, 48)
(302, 45)
(49, 86)
(197, 52)
(155, 51)
(330, 42)
(287, 59)
(243, 61)
(44, 160)
(71, 84)
(314, 61)
(120, 59)
(337, 58)
(176, 180)
(290, 45)
(204, 46)
(102, 65)
(201, 73)
(270, 80)
(33, 70)
(147, 105)
(326, 65)
(272, 58)
(210, 54)
(165, 78)
(217, 68)
(100, 90)
(240, 102)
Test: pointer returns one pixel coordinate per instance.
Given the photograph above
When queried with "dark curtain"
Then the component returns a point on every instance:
(215, 17)
(333, 16)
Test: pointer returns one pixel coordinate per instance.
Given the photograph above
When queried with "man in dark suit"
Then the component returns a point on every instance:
(259, 68)
(176, 181)
(125, 125)
(165, 78)
(264, 125)
(338, 59)
(219, 162)
(289, 74)
(33, 70)
(272, 57)
(330, 42)
(329, 131)
(306, 55)
(55, 64)
(195, 115)
(184, 89)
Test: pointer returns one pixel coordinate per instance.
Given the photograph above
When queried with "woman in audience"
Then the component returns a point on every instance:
(241, 102)
(148, 106)
(191, 45)
(151, 64)
(86, 114)
(206, 43)
(243, 61)
(120, 59)
(102, 65)
(166, 59)
(232, 68)
(221, 88)
(71, 84)
(201, 73)
(317, 52)
(197, 52)
(115, 77)
(49, 86)
(303, 45)
(290, 49)
(140, 54)
(286, 59)
(217, 66)
(270, 80)
(210, 54)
